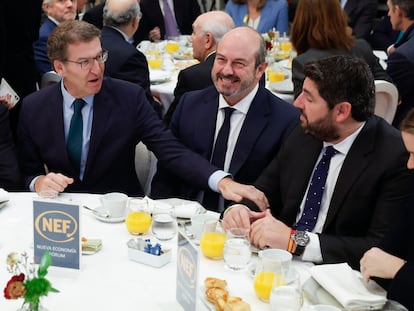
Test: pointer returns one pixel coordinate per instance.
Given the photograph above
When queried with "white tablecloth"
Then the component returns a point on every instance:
(108, 280)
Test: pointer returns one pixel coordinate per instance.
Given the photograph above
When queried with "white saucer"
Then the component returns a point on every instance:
(285, 86)
(159, 76)
(107, 219)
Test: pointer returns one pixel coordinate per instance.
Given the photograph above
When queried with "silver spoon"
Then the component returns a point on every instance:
(100, 214)
(188, 233)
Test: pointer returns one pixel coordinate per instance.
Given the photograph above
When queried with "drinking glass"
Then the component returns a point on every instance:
(138, 220)
(275, 73)
(271, 269)
(236, 252)
(172, 45)
(212, 240)
(153, 55)
(287, 297)
(164, 222)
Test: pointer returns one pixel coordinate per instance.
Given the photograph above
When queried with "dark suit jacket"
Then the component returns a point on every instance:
(372, 184)
(94, 15)
(9, 171)
(121, 119)
(360, 49)
(186, 11)
(18, 30)
(125, 62)
(40, 47)
(267, 122)
(400, 67)
(192, 78)
(361, 16)
(399, 243)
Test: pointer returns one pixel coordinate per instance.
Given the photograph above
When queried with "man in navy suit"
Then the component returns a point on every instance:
(57, 12)
(400, 63)
(104, 119)
(367, 180)
(9, 171)
(152, 25)
(208, 29)
(361, 16)
(257, 126)
(125, 62)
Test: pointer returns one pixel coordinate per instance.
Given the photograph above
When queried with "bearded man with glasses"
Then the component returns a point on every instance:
(79, 135)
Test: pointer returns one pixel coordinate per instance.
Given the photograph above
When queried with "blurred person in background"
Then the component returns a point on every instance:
(262, 15)
(208, 29)
(361, 16)
(318, 31)
(125, 62)
(166, 18)
(400, 63)
(57, 11)
(19, 29)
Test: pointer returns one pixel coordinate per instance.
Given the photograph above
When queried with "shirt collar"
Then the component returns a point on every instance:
(68, 98)
(346, 144)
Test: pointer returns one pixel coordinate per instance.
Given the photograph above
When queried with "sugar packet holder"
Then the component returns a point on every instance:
(148, 253)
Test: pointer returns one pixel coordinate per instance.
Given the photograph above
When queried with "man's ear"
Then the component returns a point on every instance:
(342, 111)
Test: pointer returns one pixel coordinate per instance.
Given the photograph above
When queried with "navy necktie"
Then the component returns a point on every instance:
(169, 21)
(316, 188)
(74, 141)
(211, 198)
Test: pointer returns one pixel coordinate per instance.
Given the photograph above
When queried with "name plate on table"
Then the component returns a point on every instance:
(56, 229)
(188, 263)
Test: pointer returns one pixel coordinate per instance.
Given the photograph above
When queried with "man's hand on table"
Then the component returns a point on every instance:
(239, 216)
(52, 182)
(155, 34)
(235, 192)
(269, 232)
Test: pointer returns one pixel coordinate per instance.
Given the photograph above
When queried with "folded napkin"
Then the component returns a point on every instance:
(91, 245)
(348, 287)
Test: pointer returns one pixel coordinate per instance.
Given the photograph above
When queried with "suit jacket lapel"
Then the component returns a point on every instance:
(353, 166)
(208, 113)
(101, 113)
(256, 120)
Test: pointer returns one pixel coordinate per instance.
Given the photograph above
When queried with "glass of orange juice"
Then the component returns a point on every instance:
(172, 45)
(138, 220)
(275, 73)
(271, 269)
(212, 240)
(153, 55)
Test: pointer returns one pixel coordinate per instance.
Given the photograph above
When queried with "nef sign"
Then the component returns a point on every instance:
(56, 226)
(56, 229)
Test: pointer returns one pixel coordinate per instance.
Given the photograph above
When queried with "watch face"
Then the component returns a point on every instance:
(301, 238)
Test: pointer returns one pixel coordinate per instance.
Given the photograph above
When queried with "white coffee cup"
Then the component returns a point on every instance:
(197, 224)
(280, 255)
(114, 203)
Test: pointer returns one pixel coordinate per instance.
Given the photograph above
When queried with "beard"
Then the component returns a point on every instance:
(323, 129)
(229, 91)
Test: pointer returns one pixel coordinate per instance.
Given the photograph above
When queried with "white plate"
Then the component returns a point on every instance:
(286, 63)
(159, 76)
(285, 86)
(107, 219)
(3, 203)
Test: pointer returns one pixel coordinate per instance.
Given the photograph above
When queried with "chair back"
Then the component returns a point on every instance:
(145, 166)
(49, 78)
(386, 100)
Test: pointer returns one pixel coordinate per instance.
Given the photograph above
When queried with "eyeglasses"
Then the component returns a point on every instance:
(87, 63)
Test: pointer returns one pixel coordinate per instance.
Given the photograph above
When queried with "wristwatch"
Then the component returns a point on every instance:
(301, 239)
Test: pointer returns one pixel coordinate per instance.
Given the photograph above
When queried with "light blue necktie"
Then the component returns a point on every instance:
(74, 141)
(316, 188)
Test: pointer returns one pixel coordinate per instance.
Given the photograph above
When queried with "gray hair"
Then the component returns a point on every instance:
(120, 18)
(217, 27)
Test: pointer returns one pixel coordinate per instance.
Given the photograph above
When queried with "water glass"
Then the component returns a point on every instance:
(285, 298)
(236, 252)
(164, 222)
